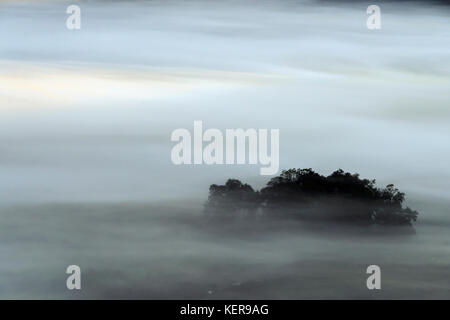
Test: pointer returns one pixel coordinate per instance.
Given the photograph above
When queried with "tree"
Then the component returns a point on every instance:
(307, 195)
(233, 198)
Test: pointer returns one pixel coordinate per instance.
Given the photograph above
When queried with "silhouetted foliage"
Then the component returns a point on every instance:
(232, 198)
(307, 195)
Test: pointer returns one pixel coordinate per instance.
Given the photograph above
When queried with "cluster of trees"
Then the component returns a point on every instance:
(307, 195)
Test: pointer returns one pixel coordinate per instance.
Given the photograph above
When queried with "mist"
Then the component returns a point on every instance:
(85, 121)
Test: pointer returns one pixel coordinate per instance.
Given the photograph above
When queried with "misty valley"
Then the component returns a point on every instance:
(145, 146)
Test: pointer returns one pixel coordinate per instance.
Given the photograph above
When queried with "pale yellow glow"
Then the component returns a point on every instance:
(25, 85)
(47, 86)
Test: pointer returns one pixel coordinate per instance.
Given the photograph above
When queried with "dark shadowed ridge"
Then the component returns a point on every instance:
(305, 195)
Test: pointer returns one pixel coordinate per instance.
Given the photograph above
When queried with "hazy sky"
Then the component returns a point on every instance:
(87, 114)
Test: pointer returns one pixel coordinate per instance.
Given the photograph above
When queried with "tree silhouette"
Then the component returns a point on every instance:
(231, 199)
(307, 195)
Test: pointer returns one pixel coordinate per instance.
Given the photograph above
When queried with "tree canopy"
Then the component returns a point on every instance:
(307, 195)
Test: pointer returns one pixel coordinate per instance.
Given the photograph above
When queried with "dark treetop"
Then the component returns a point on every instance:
(306, 195)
